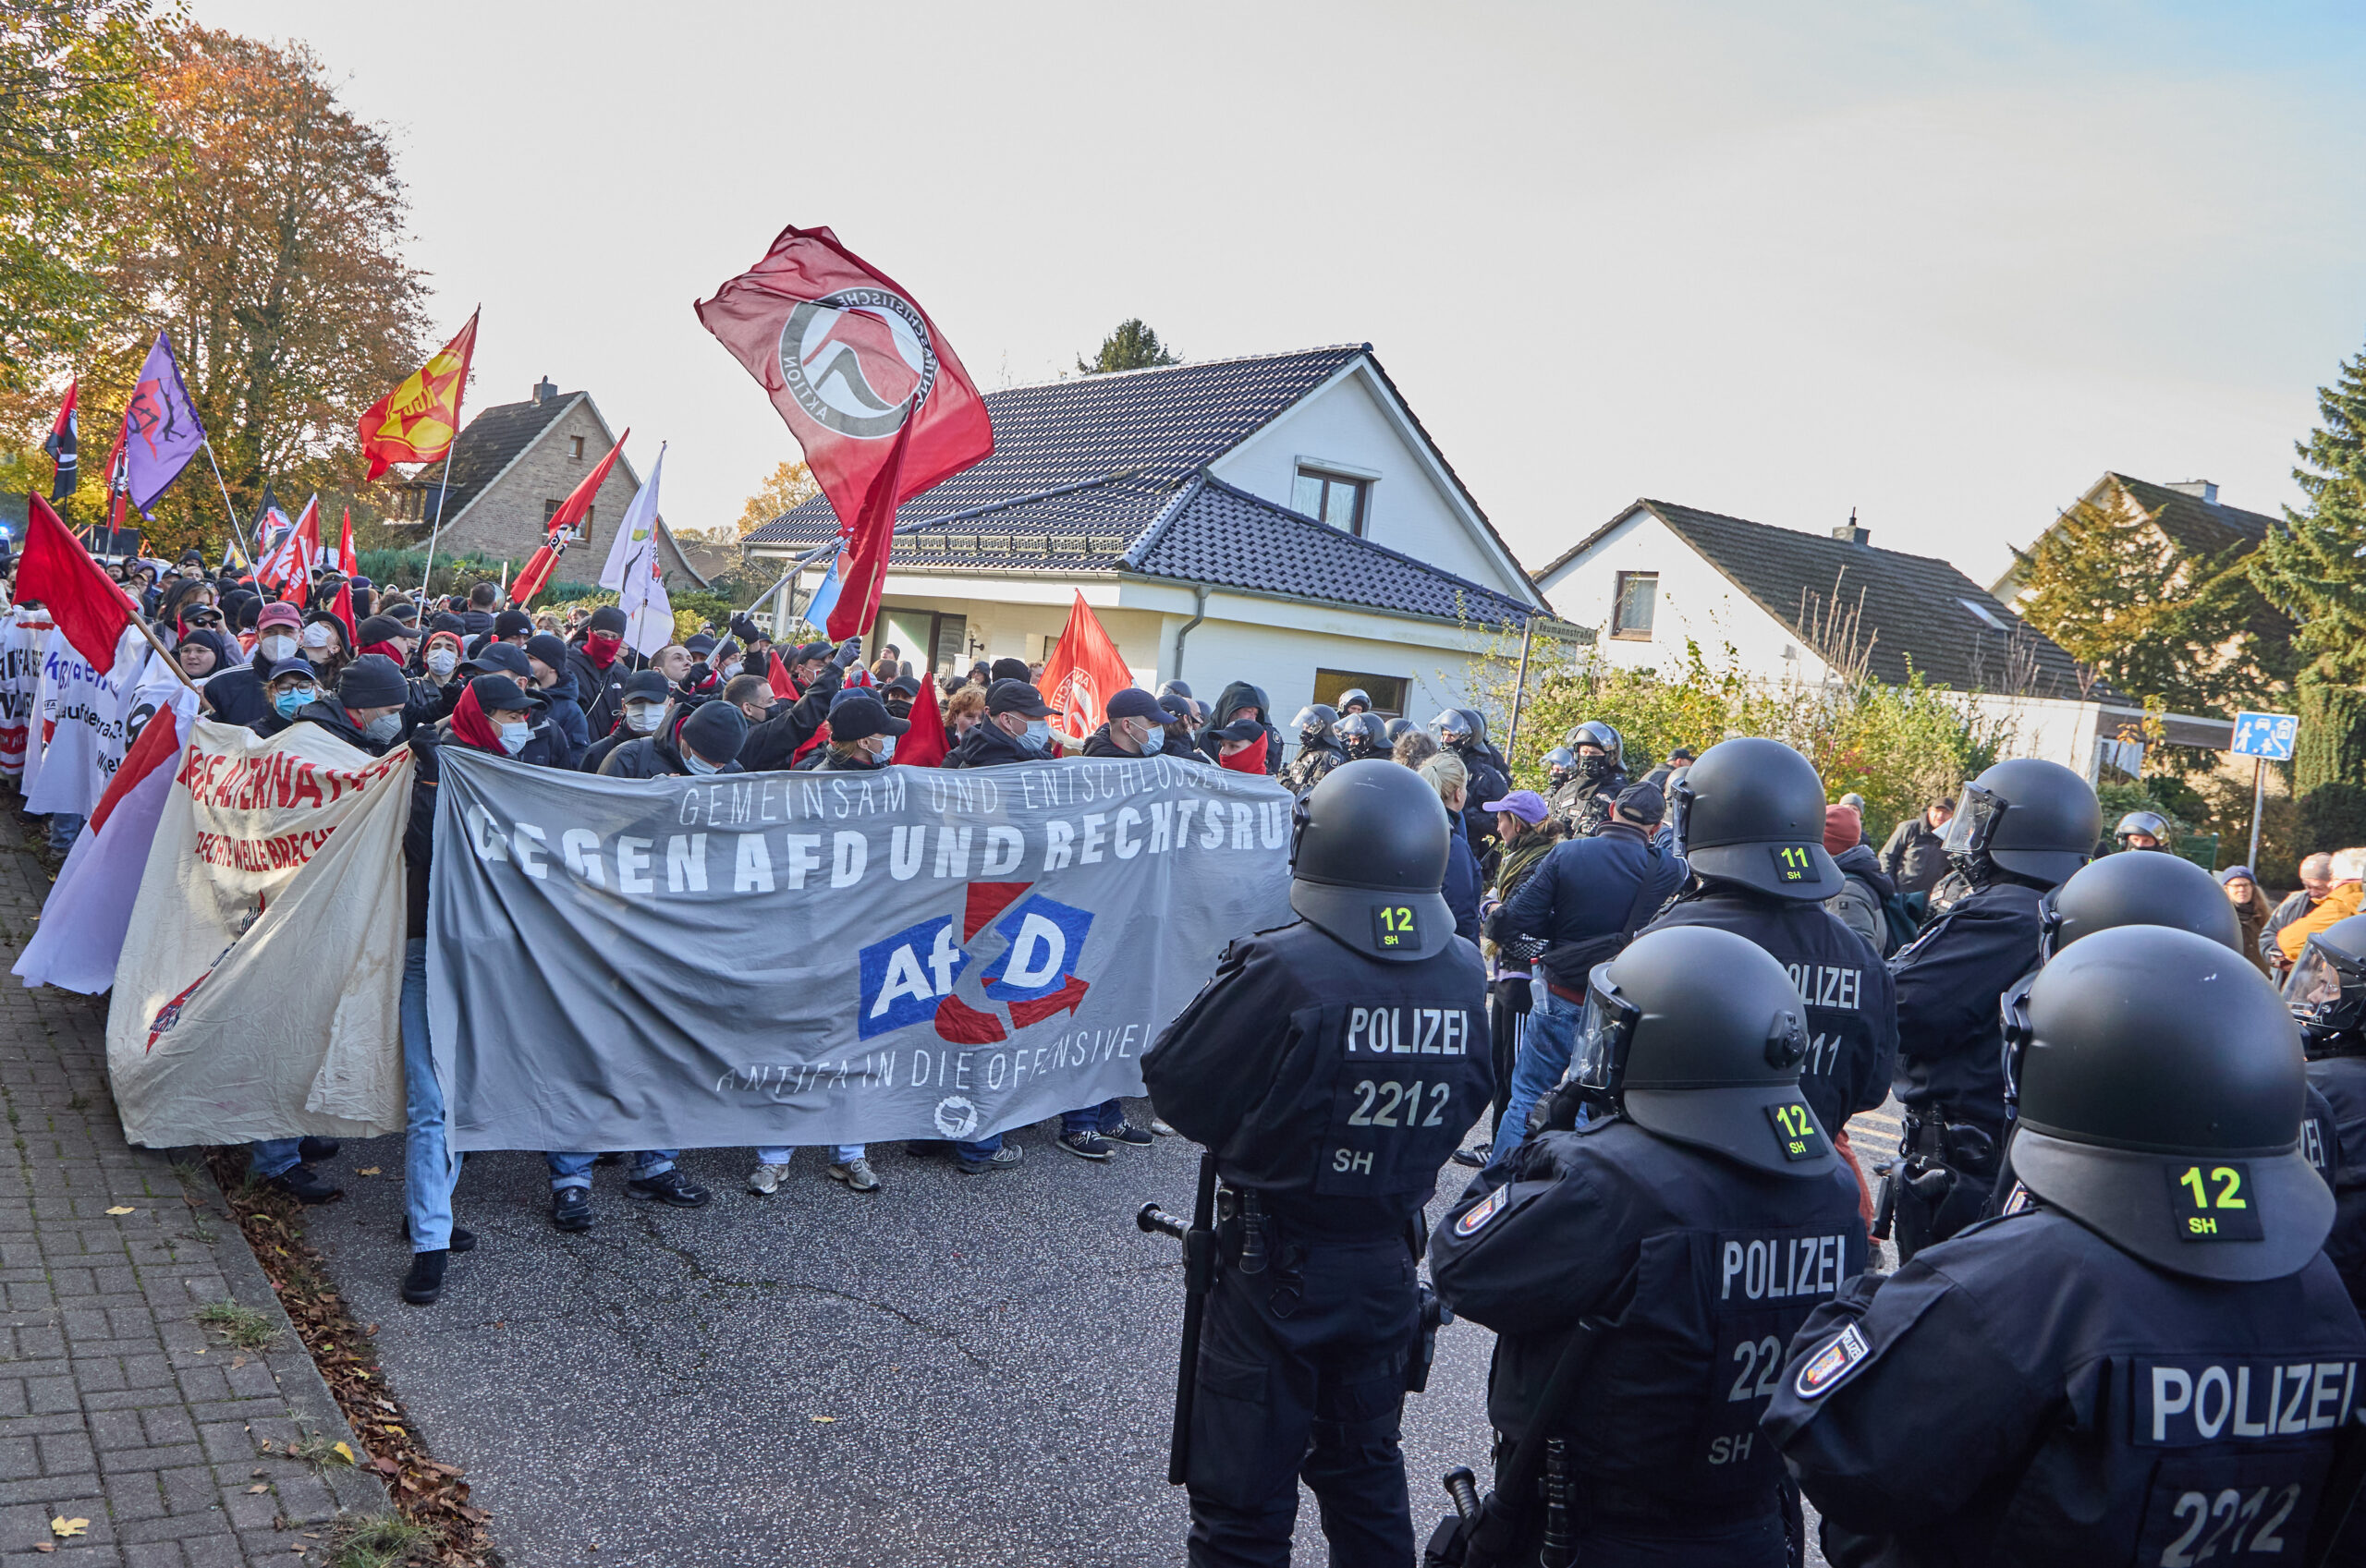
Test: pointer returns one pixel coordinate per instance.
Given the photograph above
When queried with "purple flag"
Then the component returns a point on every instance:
(160, 427)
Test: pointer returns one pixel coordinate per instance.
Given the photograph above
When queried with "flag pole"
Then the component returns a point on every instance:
(1520, 687)
(442, 499)
(236, 534)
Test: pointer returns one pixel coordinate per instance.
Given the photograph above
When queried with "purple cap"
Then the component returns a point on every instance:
(1525, 804)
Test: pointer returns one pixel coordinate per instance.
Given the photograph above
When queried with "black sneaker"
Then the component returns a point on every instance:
(612, 1158)
(462, 1240)
(1129, 1135)
(1085, 1145)
(425, 1280)
(1476, 1156)
(317, 1148)
(671, 1188)
(304, 1184)
(571, 1208)
(1006, 1158)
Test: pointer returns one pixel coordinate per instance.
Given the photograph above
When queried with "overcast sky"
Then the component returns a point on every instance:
(1944, 263)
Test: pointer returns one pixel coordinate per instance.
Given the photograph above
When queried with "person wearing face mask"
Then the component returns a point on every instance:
(600, 664)
(555, 683)
(1017, 729)
(441, 660)
(367, 712)
(647, 709)
(323, 643)
(899, 695)
(1137, 727)
(1239, 748)
(705, 740)
(1243, 703)
(785, 736)
(291, 689)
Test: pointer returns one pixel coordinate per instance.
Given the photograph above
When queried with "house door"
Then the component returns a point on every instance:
(932, 642)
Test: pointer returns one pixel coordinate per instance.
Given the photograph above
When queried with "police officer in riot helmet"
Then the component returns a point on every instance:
(2147, 1359)
(1397, 729)
(1749, 814)
(1644, 1271)
(1330, 1068)
(1463, 731)
(1355, 700)
(2132, 890)
(1596, 774)
(1364, 736)
(2021, 828)
(1319, 750)
(1560, 767)
(2326, 993)
(2143, 830)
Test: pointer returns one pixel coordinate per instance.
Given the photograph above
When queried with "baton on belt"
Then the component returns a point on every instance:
(1198, 1241)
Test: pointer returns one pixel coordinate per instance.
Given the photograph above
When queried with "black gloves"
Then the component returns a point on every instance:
(849, 651)
(746, 631)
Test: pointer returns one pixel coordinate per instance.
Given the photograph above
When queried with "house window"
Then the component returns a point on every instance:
(1984, 614)
(575, 446)
(1387, 692)
(1630, 616)
(1336, 499)
(574, 535)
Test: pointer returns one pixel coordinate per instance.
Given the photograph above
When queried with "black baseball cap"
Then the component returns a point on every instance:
(1017, 697)
(859, 714)
(1133, 703)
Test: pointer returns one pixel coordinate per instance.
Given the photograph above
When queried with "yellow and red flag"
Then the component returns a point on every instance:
(416, 423)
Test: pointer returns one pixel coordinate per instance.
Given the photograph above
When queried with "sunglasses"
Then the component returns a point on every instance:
(202, 618)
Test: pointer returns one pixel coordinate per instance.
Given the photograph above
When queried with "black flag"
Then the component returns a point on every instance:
(60, 445)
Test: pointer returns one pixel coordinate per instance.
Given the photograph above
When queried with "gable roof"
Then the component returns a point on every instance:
(2195, 526)
(1203, 532)
(1161, 425)
(487, 444)
(1913, 611)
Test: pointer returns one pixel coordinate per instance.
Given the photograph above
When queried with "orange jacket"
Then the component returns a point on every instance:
(2340, 904)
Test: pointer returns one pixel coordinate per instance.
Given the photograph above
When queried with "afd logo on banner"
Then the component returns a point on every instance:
(909, 977)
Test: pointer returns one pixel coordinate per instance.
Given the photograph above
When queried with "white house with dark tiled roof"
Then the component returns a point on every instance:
(1281, 518)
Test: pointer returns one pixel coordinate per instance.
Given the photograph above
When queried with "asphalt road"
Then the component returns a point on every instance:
(955, 1369)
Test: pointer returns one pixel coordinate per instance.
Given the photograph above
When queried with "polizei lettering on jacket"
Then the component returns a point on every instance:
(2179, 1403)
(1408, 1031)
(1759, 1268)
(1821, 985)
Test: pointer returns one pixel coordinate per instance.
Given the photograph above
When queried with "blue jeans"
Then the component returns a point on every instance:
(847, 1152)
(1543, 1063)
(1107, 1116)
(429, 1170)
(272, 1156)
(64, 829)
(574, 1170)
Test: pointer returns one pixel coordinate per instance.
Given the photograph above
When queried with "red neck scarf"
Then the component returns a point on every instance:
(1250, 759)
(470, 724)
(602, 648)
(390, 650)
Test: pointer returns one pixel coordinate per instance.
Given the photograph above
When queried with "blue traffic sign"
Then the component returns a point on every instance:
(2266, 735)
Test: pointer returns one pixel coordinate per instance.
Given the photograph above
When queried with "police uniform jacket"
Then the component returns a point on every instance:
(2341, 1080)
(1586, 806)
(1316, 759)
(1950, 978)
(1703, 1270)
(1486, 782)
(1852, 1009)
(1333, 1084)
(2026, 1392)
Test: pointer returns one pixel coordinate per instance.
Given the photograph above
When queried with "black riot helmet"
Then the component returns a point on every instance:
(1364, 731)
(2151, 824)
(1560, 764)
(2037, 819)
(2160, 1106)
(2137, 890)
(1367, 858)
(1315, 722)
(2326, 992)
(1593, 732)
(1397, 729)
(1355, 700)
(1697, 1034)
(1752, 811)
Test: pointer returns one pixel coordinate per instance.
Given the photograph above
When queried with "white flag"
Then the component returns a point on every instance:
(636, 532)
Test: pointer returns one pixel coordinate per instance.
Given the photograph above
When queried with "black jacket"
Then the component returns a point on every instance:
(1098, 744)
(1950, 1035)
(1912, 856)
(243, 696)
(1579, 896)
(1866, 890)
(329, 714)
(1673, 1244)
(774, 743)
(987, 747)
(570, 732)
(1852, 1007)
(2342, 1082)
(654, 757)
(1486, 782)
(1275, 1067)
(1586, 806)
(1461, 889)
(1240, 694)
(2011, 1396)
(599, 693)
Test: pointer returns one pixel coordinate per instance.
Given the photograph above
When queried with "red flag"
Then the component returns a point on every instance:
(342, 608)
(925, 746)
(776, 677)
(578, 505)
(87, 605)
(287, 566)
(348, 560)
(535, 575)
(1084, 671)
(118, 478)
(868, 542)
(849, 361)
(416, 423)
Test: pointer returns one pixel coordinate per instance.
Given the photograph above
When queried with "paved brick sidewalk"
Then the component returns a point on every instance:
(117, 1406)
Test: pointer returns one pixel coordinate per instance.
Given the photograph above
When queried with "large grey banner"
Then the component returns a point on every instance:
(813, 958)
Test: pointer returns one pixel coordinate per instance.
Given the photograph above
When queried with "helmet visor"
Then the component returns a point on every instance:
(2327, 988)
(1449, 722)
(1309, 721)
(2015, 1006)
(1974, 823)
(2049, 927)
(1598, 1057)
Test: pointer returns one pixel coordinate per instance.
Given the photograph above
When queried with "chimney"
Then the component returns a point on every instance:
(544, 391)
(2200, 490)
(1849, 533)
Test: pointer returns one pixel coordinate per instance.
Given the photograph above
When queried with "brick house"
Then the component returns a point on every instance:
(512, 466)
